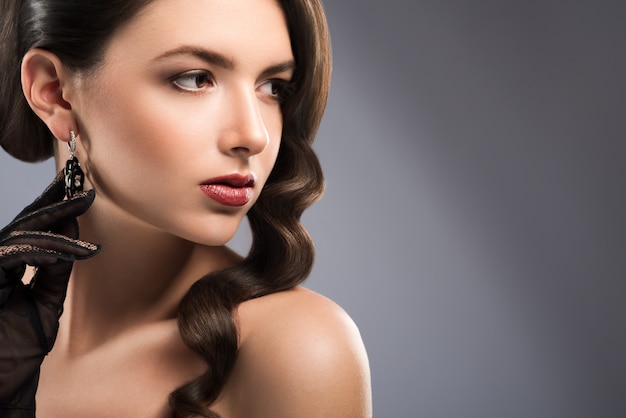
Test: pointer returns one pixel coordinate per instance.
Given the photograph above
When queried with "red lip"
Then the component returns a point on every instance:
(231, 190)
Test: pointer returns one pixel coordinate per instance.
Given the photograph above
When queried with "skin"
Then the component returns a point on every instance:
(160, 126)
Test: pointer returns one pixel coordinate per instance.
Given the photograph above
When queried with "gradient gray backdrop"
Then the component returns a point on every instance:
(473, 224)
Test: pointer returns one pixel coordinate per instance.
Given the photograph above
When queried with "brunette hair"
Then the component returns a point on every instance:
(282, 252)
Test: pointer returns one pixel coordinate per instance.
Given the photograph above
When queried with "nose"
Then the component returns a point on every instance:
(245, 133)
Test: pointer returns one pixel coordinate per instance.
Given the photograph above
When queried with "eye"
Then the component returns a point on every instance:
(277, 89)
(193, 81)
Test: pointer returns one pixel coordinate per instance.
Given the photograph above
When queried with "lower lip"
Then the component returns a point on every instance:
(228, 195)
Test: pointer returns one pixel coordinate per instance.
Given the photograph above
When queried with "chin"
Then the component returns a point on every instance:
(212, 238)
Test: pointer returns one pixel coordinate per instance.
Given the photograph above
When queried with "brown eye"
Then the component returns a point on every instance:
(277, 89)
(193, 80)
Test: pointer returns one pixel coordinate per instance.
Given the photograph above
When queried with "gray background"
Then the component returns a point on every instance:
(473, 224)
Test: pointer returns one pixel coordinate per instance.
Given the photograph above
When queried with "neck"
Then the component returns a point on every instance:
(138, 278)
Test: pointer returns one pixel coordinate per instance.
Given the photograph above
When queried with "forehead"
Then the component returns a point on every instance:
(246, 30)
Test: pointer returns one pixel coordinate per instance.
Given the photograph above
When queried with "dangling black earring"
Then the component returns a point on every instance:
(74, 176)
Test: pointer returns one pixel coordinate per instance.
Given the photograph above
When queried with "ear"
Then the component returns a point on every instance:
(45, 81)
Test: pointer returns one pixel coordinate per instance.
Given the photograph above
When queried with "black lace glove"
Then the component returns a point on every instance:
(44, 235)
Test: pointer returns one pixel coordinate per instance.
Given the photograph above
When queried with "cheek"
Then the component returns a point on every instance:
(131, 144)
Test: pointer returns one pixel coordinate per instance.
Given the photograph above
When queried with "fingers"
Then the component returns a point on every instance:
(15, 256)
(53, 255)
(14, 259)
(68, 228)
(53, 242)
(47, 217)
(49, 287)
(8, 279)
(37, 248)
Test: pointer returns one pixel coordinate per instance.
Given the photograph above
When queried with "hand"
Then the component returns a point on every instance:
(43, 235)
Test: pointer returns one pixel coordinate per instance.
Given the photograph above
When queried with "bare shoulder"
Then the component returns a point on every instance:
(301, 355)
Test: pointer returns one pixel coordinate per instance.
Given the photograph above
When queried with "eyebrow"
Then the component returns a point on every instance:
(217, 59)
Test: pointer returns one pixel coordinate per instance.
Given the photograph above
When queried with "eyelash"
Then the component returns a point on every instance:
(281, 88)
(191, 75)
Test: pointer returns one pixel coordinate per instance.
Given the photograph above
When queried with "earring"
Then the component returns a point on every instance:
(74, 176)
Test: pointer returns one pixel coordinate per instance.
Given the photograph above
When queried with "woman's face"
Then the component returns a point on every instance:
(180, 127)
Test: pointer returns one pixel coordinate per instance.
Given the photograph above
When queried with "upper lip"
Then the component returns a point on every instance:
(233, 180)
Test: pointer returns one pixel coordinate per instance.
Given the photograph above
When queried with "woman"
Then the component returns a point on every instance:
(179, 113)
